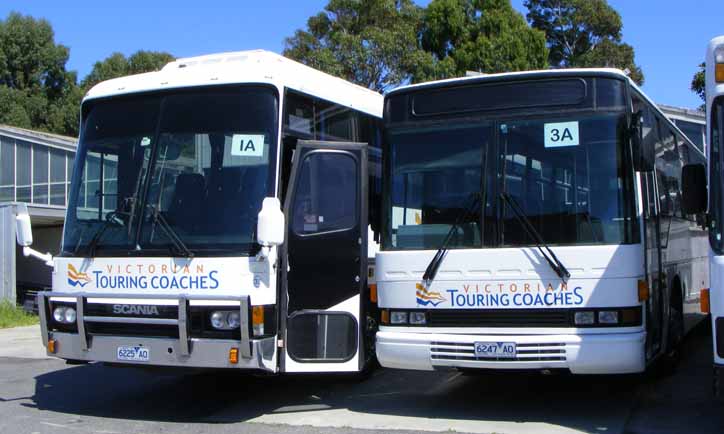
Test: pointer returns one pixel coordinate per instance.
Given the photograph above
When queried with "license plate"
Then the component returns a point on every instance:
(133, 354)
(501, 350)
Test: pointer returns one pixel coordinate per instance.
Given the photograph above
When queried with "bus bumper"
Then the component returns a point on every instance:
(204, 353)
(182, 351)
(612, 353)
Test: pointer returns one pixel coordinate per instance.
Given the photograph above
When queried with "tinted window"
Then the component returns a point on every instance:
(326, 195)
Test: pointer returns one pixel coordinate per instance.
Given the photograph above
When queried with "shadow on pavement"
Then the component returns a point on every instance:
(589, 404)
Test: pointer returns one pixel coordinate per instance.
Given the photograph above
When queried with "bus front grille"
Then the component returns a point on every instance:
(450, 351)
(499, 318)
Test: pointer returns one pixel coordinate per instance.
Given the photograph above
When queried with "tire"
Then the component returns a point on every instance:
(670, 359)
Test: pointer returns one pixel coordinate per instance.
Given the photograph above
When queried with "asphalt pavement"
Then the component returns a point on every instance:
(44, 395)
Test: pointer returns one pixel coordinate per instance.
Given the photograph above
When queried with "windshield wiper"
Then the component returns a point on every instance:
(434, 264)
(111, 219)
(159, 219)
(546, 251)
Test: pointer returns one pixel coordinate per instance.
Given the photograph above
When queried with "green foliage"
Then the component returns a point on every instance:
(583, 33)
(698, 85)
(33, 80)
(117, 65)
(13, 316)
(368, 42)
(477, 35)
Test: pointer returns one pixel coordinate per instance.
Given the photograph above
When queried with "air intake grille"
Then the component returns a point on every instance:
(525, 352)
(500, 318)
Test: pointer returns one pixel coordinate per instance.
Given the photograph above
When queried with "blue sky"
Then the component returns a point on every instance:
(669, 36)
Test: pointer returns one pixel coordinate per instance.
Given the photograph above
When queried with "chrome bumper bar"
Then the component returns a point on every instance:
(183, 346)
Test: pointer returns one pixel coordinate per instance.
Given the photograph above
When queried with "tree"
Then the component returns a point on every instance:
(583, 33)
(698, 85)
(479, 35)
(369, 42)
(117, 65)
(33, 80)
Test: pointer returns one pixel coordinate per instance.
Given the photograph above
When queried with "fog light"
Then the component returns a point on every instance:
(398, 317)
(70, 315)
(218, 320)
(608, 317)
(418, 318)
(583, 318)
(59, 314)
(233, 320)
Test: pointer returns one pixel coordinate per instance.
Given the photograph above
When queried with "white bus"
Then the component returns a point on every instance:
(533, 220)
(175, 251)
(714, 300)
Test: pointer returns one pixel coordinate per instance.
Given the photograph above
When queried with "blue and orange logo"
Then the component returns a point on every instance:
(426, 298)
(76, 278)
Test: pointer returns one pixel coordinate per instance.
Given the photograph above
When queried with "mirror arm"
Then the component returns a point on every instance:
(45, 257)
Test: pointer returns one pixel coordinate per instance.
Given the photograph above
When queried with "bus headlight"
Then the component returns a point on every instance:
(64, 315)
(585, 317)
(59, 314)
(418, 318)
(608, 317)
(219, 320)
(70, 315)
(398, 317)
(233, 320)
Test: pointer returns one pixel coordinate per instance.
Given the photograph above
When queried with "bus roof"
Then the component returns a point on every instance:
(502, 76)
(254, 66)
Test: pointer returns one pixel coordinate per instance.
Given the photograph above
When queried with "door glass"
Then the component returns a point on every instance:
(326, 196)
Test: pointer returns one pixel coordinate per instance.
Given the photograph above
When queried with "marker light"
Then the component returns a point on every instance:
(257, 320)
(234, 355)
(584, 317)
(52, 347)
(398, 318)
(704, 301)
(418, 318)
(373, 293)
(643, 287)
(719, 64)
(385, 316)
(608, 317)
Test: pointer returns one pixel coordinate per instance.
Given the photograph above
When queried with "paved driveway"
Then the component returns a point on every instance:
(45, 395)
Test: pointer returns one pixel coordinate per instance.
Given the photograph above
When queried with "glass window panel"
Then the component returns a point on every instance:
(40, 194)
(57, 165)
(7, 161)
(57, 194)
(7, 194)
(40, 164)
(326, 196)
(69, 156)
(22, 177)
(23, 194)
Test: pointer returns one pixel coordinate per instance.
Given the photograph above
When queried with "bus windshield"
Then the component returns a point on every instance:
(566, 171)
(197, 161)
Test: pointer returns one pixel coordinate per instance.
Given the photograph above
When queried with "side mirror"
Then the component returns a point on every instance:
(693, 189)
(270, 224)
(643, 154)
(23, 229)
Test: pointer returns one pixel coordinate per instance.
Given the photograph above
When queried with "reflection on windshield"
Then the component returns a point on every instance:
(200, 158)
(566, 173)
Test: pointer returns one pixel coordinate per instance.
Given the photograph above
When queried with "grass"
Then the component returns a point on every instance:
(14, 316)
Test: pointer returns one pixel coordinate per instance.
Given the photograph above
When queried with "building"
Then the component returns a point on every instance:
(35, 168)
(690, 122)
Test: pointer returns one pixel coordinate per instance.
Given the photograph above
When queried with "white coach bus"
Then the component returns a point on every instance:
(534, 221)
(713, 300)
(175, 250)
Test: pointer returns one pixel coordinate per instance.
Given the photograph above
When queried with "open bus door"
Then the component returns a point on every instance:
(324, 262)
